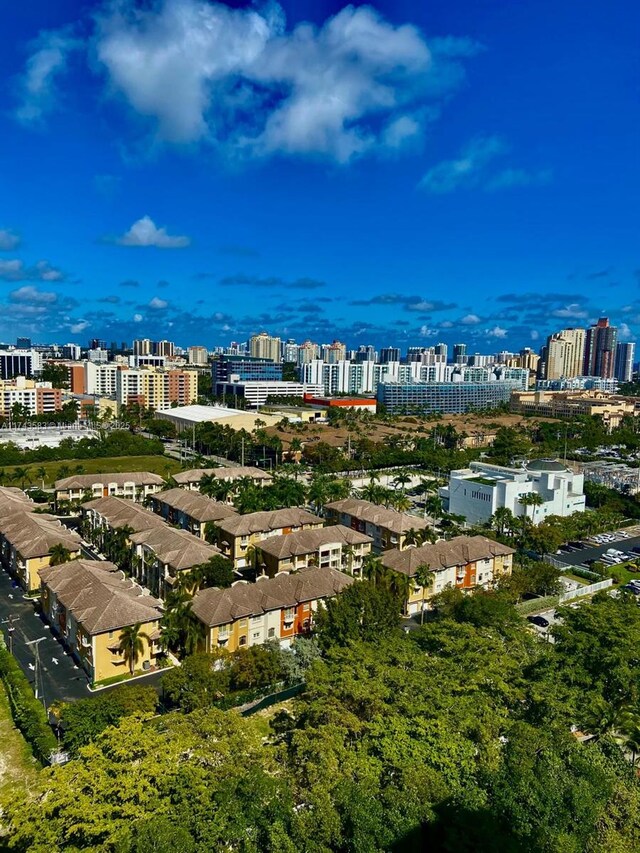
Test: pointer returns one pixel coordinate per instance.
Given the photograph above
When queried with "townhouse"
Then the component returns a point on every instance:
(465, 563)
(387, 527)
(239, 535)
(190, 510)
(280, 608)
(26, 539)
(334, 547)
(14, 500)
(163, 553)
(191, 479)
(89, 604)
(113, 513)
(135, 486)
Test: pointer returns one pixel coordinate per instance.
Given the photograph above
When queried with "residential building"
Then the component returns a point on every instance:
(162, 553)
(625, 353)
(240, 368)
(14, 500)
(334, 353)
(465, 563)
(191, 479)
(20, 362)
(26, 539)
(36, 398)
(600, 349)
(143, 347)
(89, 603)
(280, 608)
(387, 527)
(189, 509)
(257, 393)
(98, 355)
(155, 388)
(71, 352)
(478, 491)
(445, 397)
(76, 376)
(265, 346)
(307, 352)
(111, 513)
(566, 404)
(101, 379)
(136, 486)
(239, 535)
(460, 354)
(579, 383)
(335, 547)
(565, 353)
(388, 354)
(198, 356)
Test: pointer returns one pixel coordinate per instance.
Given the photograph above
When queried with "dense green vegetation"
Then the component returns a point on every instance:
(456, 737)
(113, 443)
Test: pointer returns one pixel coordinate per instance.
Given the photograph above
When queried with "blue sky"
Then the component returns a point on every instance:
(402, 173)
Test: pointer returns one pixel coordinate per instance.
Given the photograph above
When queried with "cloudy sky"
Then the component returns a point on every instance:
(407, 172)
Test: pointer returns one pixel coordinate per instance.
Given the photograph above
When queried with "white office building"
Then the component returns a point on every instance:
(478, 491)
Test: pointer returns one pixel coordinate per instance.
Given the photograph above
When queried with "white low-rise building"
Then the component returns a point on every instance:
(478, 491)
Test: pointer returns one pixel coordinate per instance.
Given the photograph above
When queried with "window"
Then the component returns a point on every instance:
(256, 635)
(110, 635)
(242, 641)
(272, 632)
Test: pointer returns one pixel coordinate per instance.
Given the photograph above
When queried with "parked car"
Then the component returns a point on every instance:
(540, 621)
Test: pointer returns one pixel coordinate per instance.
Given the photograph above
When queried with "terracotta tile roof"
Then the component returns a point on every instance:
(259, 522)
(194, 504)
(397, 522)
(34, 534)
(194, 475)
(99, 596)
(445, 554)
(221, 606)
(87, 481)
(310, 541)
(12, 499)
(176, 548)
(119, 512)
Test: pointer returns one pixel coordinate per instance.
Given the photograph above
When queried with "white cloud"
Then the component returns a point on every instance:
(15, 270)
(137, 318)
(625, 333)
(470, 320)
(144, 232)
(8, 240)
(238, 78)
(37, 86)
(497, 332)
(571, 312)
(158, 304)
(80, 326)
(31, 294)
(535, 334)
(475, 167)
(428, 332)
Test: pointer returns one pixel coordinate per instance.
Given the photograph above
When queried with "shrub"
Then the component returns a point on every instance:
(27, 712)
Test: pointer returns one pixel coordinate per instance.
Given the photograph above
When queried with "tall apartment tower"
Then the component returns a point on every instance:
(142, 346)
(264, 346)
(334, 353)
(307, 352)
(442, 350)
(388, 354)
(459, 353)
(625, 354)
(600, 349)
(565, 354)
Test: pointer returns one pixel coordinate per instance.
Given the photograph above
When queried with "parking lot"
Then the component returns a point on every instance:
(577, 555)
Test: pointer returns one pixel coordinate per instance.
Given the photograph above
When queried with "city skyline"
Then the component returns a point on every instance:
(422, 197)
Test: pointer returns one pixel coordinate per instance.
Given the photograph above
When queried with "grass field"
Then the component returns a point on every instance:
(17, 765)
(162, 465)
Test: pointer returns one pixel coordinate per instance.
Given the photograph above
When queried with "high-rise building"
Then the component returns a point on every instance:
(565, 354)
(143, 347)
(459, 353)
(290, 352)
(97, 343)
(264, 346)
(333, 353)
(23, 343)
(442, 350)
(388, 354)
(241, 368)
(20, 363)
(366, 352)
(307, 352)
(198, 355)
(71, 352)
(165, 348)
(624, 362)
(600, 349)
(156, 389)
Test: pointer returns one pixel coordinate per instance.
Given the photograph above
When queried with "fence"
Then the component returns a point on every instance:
(586, 590)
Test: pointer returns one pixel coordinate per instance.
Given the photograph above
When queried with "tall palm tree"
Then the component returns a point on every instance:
(502, 520)
(348, 554)
(401, 502)
(424, 577)
(413, 537)
(400, 586)
(373, 569)
(131, 644)
(41, 474)
(59, 554)
(434, 507)
(20, 474)
(401, 480)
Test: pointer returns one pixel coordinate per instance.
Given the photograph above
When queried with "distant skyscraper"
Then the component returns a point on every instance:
(388, 354)
(23, 343)
(459, 353)
(290, 351)
(97, 343)
(333, 353)
(198, 355)
(600, 349)
(565, 354)
(366, 352)
(442, 350)
(264, 346)
(624, 362)
(141, 347)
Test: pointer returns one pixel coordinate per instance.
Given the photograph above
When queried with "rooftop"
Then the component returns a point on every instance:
(34, 534)
(176, 548)
(194, 504)
(544, 465)
(194, 475)
(99, 596)
(122, 513)
(309, 541)
(260, 522)
(397, 522)
(87, 481)
(221, 606)
(201, 414)
(444, 554)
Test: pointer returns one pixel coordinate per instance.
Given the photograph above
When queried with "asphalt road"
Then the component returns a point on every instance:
(60, 679)
(594, 552)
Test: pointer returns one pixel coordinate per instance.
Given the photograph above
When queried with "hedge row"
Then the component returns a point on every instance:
(28, 714)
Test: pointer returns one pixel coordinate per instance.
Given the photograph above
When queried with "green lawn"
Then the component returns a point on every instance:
(162, 465)
(17, 765)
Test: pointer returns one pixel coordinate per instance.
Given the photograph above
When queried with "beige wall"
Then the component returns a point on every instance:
(108, 664)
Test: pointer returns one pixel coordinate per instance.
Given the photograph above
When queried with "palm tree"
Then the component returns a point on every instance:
(373, 568)
(501, 520)
(400, 586)
(131, 644)
(424, 577)
(533, 500)
(20, 474)
(41, 473)
(59, 554)
(401, 479)
(413, 537)
(433, 507)
(401, 502)
(348, 553)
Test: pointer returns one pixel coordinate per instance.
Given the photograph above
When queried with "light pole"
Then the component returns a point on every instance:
(36, 655)
(9, 621)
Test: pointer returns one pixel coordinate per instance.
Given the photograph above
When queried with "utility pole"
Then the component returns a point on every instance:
(36, 655)
(10, 629)
(242, 452)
